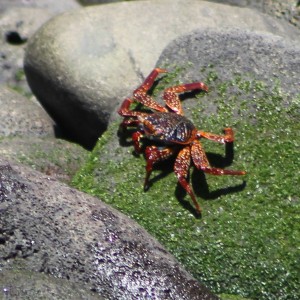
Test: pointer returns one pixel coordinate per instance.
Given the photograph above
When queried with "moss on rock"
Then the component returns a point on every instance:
(247, 241)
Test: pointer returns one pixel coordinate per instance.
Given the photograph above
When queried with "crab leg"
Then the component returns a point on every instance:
(171, 94)
(147, 84)
(154, 155)
(125, 111)
(136, 138)
(140, 94)
(227, 138)
(201, 162)
(181, 169)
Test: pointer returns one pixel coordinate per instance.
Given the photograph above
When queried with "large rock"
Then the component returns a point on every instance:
(247, 227)
(51, 228)
(82, 63)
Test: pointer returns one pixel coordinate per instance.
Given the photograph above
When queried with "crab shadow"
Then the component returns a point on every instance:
(197, 177)
(199, 183)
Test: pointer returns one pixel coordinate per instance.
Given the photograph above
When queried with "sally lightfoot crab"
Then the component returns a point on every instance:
(172, 134)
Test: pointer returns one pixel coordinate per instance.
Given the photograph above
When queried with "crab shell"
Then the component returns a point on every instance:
(168, 128)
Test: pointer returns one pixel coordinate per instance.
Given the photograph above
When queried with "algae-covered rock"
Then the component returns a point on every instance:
(246, 241)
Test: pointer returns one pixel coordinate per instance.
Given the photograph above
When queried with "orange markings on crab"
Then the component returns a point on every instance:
(176, 135)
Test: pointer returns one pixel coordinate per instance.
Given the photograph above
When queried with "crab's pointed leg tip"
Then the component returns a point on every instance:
(159, 70)
(146, 187)
(205, 88)
(198, 214)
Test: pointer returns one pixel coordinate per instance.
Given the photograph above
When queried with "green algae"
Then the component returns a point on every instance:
(247, 242)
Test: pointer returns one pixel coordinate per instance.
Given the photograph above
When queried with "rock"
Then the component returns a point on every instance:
(93, 2)
(261, 56)
(55, 7)
(28, 135)
(22, 117)
(18, 21)
(54, 157)
(288, 10)
(254, 88)
(83, 63)
(51, 228)
(16, 26)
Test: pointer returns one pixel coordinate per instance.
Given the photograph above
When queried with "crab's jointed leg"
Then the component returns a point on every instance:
(136, 138)
(125, 111)
(131, 115)
(227, 138)
(140, 94)
(153, 155)
(201, 162)
(171, 94)
(181, 169)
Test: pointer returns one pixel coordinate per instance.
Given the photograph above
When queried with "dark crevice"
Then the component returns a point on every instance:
(14, 38)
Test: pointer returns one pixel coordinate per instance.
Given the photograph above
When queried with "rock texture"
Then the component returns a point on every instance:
(28, 135)
(18, 21)
(230, 53)
(70, 235)
(20, 284)
(52, 6)
(288, 10)
(20, 116)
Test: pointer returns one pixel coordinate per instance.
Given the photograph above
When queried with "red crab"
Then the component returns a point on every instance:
(171, 132)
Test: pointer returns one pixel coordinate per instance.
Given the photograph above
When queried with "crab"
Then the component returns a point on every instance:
(170, 133)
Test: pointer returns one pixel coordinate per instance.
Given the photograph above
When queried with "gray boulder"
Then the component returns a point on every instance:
(16, 26)
(82, 64)
(288, 10)
(18, 21)
(55, 7)
(261, 56)
(253, 88)
(51, 228)
(28, 135)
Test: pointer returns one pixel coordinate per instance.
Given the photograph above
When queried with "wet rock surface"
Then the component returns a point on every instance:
(70, 235)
